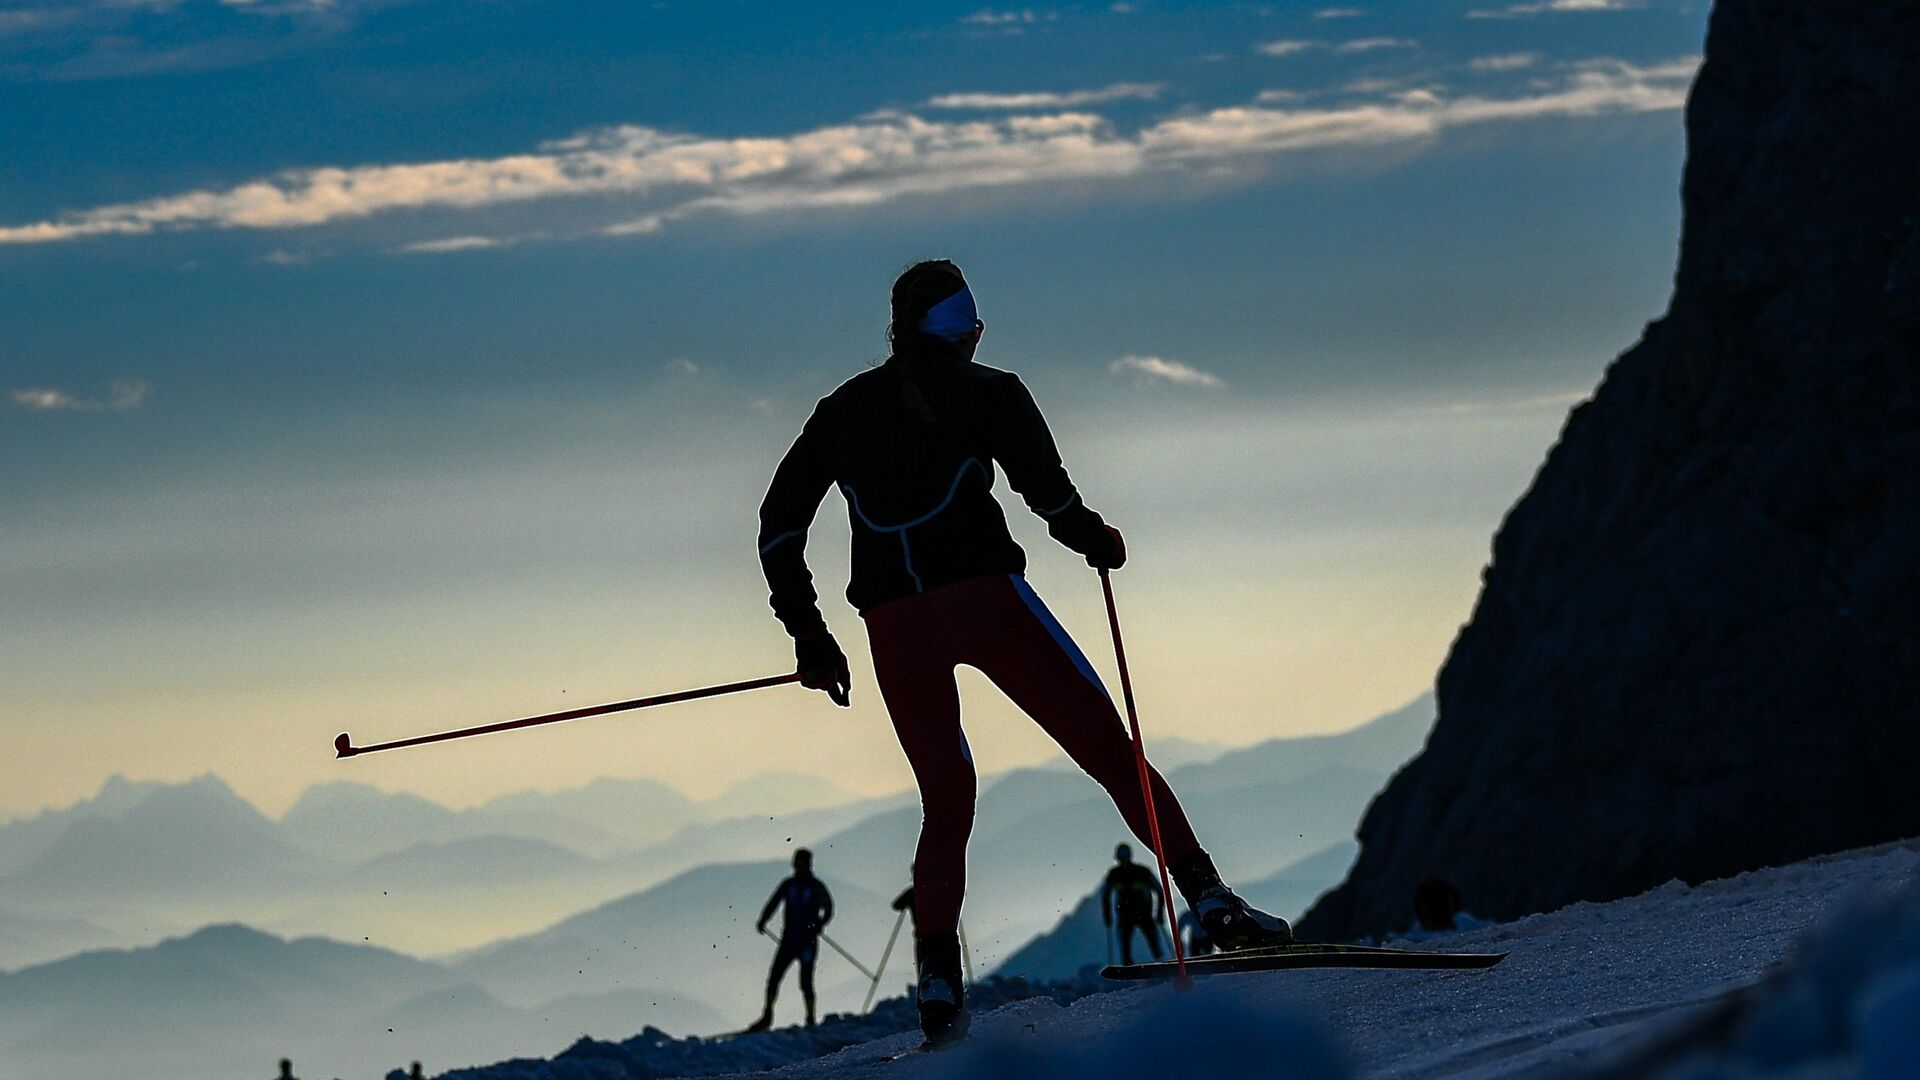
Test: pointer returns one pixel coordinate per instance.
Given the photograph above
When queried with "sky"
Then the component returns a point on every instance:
(394, 365)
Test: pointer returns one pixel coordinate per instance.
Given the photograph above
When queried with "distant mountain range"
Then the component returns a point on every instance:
(143, 859)
(544, 935)
(230, 1001)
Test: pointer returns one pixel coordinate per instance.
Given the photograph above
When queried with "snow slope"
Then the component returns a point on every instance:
(1585, 986)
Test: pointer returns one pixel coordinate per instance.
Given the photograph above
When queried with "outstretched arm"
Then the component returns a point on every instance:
(793, 497)
(1025, 449)
(799, 483)
(773, 902)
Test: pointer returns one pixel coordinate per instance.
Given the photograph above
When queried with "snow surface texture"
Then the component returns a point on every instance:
(1683, 983)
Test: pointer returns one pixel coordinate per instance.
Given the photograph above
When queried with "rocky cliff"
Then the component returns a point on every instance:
(1697, 648)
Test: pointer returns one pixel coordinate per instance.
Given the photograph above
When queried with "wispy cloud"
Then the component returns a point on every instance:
(123, 395)
(1504, 62)
(452, 244)
(1542, 7)
(661, 177)
(1295, 46)
(1375, 44)
(1339, 13)
(1163, 370)
(680, 365)
(1289, 46)
(1020, 17)
(1072, 99)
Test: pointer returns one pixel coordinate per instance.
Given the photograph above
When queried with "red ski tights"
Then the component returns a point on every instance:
(998, 625)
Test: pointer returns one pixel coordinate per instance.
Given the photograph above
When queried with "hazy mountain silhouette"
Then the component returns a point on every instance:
(35, 939)
(225, 999)
(775, 793)
(693, 932)
(25, 840)
(179, 840)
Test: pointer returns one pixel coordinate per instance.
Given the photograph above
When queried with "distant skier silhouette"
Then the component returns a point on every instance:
(912, 445)
(1130, 897)
(809, 908)
(286, 1070)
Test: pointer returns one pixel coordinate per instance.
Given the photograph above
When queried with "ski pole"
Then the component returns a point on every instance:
(862, 968)
(1146, 784)
(343, 743)
(884, 954)
(965, 952)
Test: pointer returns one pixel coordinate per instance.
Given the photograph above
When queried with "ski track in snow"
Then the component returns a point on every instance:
(1581, 984)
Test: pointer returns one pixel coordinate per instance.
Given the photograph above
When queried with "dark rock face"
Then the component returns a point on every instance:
(1697, 650)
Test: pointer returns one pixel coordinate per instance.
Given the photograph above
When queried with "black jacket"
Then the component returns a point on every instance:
(912, 445)
(809, 906)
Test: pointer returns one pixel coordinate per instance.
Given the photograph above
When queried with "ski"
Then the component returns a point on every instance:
(1301, 956)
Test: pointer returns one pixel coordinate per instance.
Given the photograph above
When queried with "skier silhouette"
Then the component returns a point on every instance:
(1131, 897)
(912, 445)
(809, 908)
(286, 1070)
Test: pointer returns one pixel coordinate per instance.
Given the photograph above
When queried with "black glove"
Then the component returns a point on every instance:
(822, 666)
(1115, 557)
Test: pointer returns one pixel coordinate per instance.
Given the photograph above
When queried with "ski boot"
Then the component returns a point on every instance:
(809, 999)
(941, 994)
(765, 1023)
(1229, 922)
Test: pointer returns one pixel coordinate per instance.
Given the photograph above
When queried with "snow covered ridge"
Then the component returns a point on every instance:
(1807, 970)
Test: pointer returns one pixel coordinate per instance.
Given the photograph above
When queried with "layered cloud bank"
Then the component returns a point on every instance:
(668, 176)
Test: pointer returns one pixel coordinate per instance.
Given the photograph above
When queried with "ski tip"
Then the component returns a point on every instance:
(343, 745)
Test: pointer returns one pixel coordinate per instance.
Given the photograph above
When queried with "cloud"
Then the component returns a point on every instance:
(1339, 13)
(1072, 99)
(1277, 97)
(1541, 7)
(123, 395)
(660, 178)
(1025, 16)
(1173, 371)
(683, 366)
(1296, 46)
(1289, 47)
(1504, 62)
(451, 244)
(1375, 44)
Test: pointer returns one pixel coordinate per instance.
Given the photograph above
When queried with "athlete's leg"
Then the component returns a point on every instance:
(783, 958)
(1028, 655)
(808, 954)
(915, 673)
(1150, 929)
(1126, 941)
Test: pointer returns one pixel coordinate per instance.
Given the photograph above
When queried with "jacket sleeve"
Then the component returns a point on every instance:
(773, 902)
(1025, 449)
(799, 483)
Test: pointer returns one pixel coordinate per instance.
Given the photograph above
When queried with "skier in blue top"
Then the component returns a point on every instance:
(809, 908)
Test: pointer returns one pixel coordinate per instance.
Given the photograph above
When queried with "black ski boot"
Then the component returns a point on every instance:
(765, 1023)
(941, 995)
(1229, 922)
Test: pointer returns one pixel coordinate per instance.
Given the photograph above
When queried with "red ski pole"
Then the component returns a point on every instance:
(343, 743)
(1146, 785)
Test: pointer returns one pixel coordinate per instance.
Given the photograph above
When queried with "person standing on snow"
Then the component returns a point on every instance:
(1131, 896)
(912, 445)
(809, 908)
